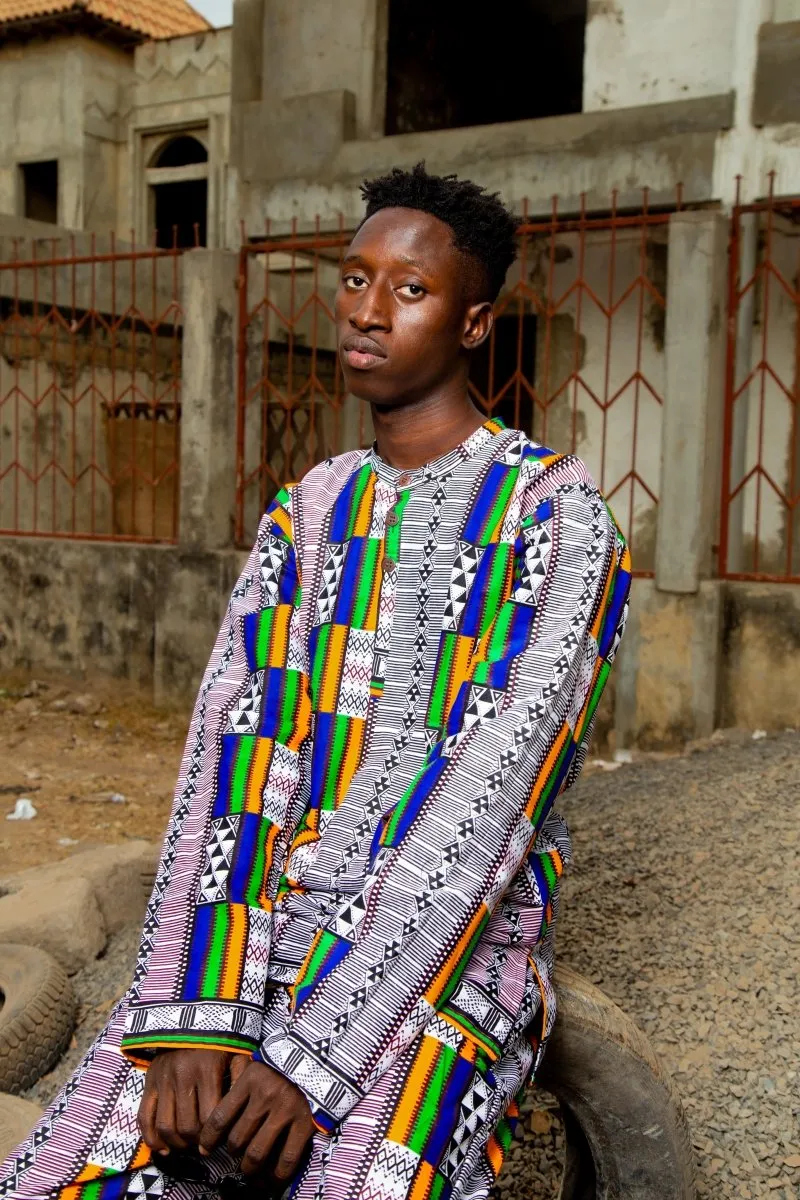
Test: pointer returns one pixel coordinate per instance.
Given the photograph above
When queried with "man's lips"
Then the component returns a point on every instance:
(362, 352)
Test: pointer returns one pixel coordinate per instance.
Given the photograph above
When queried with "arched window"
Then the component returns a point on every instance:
(178, 179)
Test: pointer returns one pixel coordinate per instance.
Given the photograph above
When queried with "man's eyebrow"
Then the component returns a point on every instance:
(403, 258)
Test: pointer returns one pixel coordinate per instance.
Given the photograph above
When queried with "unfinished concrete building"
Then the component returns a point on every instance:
(651, 322)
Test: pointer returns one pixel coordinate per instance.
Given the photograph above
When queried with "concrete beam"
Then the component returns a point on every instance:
(688, 512)
(208, 415)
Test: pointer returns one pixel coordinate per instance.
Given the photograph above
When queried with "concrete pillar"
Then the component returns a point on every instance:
(691, 464)
(208, 415)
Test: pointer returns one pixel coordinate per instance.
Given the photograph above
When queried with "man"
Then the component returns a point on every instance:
(345, 973)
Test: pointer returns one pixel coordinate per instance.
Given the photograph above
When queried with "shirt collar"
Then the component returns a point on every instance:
(402, 478)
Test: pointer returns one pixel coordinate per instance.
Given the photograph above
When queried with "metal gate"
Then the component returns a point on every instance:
(575, 357)
(760, 535)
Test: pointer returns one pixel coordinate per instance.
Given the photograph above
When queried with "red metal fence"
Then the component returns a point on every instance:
(90, 379)
(760, 537)
(575, 358)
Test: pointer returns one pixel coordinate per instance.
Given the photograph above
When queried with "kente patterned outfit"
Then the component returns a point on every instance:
(360, 874)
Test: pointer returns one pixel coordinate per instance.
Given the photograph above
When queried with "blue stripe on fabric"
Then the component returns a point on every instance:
(622, 585)
(340, 514)
(274, 679)
(227, 763)
(323, 732)
(287, 586)
(198, 952)
(250, 636)
(350, 581)
(495, 478)
(519, 636)
(244, 856)
(421, 789)
(469, 624)
(338, 951)
(449, 1111)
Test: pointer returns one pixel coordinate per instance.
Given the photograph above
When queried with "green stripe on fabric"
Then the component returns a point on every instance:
(318, 957)
(264, 637)
(461, 966)
(475, 1031)
(499, 507)
(504, 1135)
(495, 588)
(358, 498)
(92, 1191)
(548, 787)
(241, 772)
(437, 1187)
(441, 680)
(216, 953)
(546, 863)
(338, 747)
(392, 539)
(430, 1101)
(191, 1037)
(320, 659)
(602, 677)
(369, 570)
(288, 715)
(256, 880)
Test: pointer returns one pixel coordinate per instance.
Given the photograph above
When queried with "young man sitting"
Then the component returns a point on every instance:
(345, 974)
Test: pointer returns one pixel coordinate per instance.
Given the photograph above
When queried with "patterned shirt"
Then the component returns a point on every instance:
(406, 678)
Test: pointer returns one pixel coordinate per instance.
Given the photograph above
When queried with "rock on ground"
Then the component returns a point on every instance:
(684, 906)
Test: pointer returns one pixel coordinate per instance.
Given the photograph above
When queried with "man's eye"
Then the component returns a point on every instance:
(412, 289)
(357, 282)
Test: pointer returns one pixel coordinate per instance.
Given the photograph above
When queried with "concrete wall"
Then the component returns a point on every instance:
(649, 52)
(181, 83)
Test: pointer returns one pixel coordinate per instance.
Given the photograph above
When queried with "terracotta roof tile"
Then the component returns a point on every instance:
(151, 18)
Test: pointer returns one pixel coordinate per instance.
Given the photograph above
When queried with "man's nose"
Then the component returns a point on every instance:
(372, 310)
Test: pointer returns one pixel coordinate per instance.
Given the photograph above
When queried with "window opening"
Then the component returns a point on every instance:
(40, 191)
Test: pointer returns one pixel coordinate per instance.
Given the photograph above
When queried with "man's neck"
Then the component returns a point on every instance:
(409, 436)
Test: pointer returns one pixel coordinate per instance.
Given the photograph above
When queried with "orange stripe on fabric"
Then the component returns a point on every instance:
(601, 608)
(494, 1153)
(352, 757)
(414, 1090)
(281, 518)
(302, 720)
(142, 1156)
(598, 666)
(333, 668)
(542, 993)
(548, 766)
(259, 766)
(423, 1181)
(460, 667)
(279, 638)
(440, 981)
(234, 953)
(364, 516)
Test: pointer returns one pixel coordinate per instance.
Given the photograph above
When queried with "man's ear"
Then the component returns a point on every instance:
(478, 324)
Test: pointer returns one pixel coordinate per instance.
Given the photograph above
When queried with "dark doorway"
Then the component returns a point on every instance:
(181, 206)
(181, 212)
(509, 351)
(40, 191)
(522, 59)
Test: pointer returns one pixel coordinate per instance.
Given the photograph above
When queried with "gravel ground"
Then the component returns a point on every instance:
(684, 906)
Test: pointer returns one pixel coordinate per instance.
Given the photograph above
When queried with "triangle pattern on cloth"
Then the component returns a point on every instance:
(219, 853)
(482, 703)
(462, 577)
(539, 543)
(331, 574)
(272, 556)
(244, 716)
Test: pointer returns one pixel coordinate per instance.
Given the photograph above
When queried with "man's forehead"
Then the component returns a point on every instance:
(405, 235)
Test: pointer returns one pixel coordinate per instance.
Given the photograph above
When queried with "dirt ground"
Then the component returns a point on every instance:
(683, 905)
(69, 747)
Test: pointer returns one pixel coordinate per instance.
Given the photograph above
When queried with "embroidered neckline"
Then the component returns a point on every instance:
(437, 467)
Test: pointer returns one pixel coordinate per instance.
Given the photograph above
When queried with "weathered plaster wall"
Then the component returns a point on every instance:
(649, 52)
(760, 666)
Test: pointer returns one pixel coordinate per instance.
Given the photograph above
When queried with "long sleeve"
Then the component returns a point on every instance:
(202, 966)
(443, 855)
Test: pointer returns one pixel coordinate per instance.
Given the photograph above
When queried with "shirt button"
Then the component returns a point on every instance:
(403, 481)
(388, 565)
(392, 519)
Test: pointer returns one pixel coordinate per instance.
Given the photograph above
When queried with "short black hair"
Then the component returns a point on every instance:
(482, 225)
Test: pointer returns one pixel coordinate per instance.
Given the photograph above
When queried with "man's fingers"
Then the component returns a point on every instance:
(216, 1126)
(260, 1148)
(187, 1124)
(147, 1119)
(166, 1122)
(238, 1063)
(245, 1129)
(293, 1152)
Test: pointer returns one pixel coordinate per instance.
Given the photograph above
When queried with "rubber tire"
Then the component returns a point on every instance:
(37, 1017)
(626, 1132)
(17, 1119)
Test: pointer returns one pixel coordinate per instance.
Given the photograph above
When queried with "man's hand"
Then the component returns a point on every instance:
(182, 1089)
(262, 1112)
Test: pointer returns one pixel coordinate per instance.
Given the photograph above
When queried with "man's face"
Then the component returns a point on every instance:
(404, 319)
